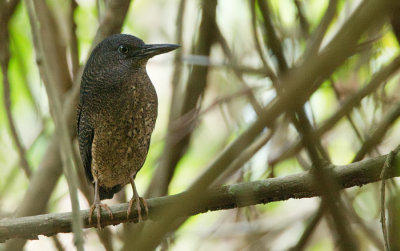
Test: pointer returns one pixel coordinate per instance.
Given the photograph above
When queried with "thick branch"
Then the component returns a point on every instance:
(227, 197)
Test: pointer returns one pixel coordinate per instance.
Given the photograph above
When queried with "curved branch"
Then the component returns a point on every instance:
(239, 195)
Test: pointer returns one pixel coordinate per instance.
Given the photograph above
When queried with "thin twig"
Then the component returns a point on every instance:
(272, 37)
(7, 105)
(383, 176)
(73, 40)
(228, 53)
(244, 157)
(311, 226)
(268, 70)
(378, 134)
(377, 79)
(348, 115)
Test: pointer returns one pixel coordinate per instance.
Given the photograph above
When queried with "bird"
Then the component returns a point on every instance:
(116, 116)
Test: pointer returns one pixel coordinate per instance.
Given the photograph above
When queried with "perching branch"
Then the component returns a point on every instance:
(239, 195)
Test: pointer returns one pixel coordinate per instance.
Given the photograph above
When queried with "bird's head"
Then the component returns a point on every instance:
(122, 53)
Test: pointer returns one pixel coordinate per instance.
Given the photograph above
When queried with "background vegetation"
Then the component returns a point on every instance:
(259, 89)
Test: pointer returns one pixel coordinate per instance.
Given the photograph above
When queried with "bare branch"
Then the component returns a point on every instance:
(378, 134)
(238, 195)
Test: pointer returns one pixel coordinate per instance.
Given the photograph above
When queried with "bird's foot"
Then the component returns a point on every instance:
(137, 201)
(98, 206)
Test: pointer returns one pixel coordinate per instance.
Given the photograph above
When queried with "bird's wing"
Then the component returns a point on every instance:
(85, 136)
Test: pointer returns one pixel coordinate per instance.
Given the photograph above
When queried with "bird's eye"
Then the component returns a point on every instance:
(123, 49)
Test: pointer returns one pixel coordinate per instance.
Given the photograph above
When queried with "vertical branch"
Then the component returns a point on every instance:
(393, 208)
(305, 27)
(395, 21)
(4, 51)
(112, 20)
(177, 74)
(272, 38)
(52, 65)
(6, 11)
(387, 165)
(73, 40)
(7, 105)
(175, 146)
(328, 188)
(267, 67)
(164, 172)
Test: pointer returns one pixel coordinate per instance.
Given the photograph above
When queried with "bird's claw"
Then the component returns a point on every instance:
(98, 207)
(138, 207)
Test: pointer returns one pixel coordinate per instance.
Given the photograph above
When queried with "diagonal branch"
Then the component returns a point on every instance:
(347, 106)
(379, 133)
(239, 195)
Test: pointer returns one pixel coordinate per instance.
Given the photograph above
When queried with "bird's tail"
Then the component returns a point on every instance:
(108, 192)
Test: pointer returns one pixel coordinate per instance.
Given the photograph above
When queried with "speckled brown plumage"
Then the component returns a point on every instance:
(116, 115)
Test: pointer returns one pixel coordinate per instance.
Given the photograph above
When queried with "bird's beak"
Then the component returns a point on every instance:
(150, 50)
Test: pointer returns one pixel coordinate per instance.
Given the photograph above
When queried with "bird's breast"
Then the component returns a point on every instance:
(121, 140)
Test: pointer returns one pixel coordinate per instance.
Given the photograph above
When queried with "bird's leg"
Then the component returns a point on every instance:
(98, 205)
(137, 200)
